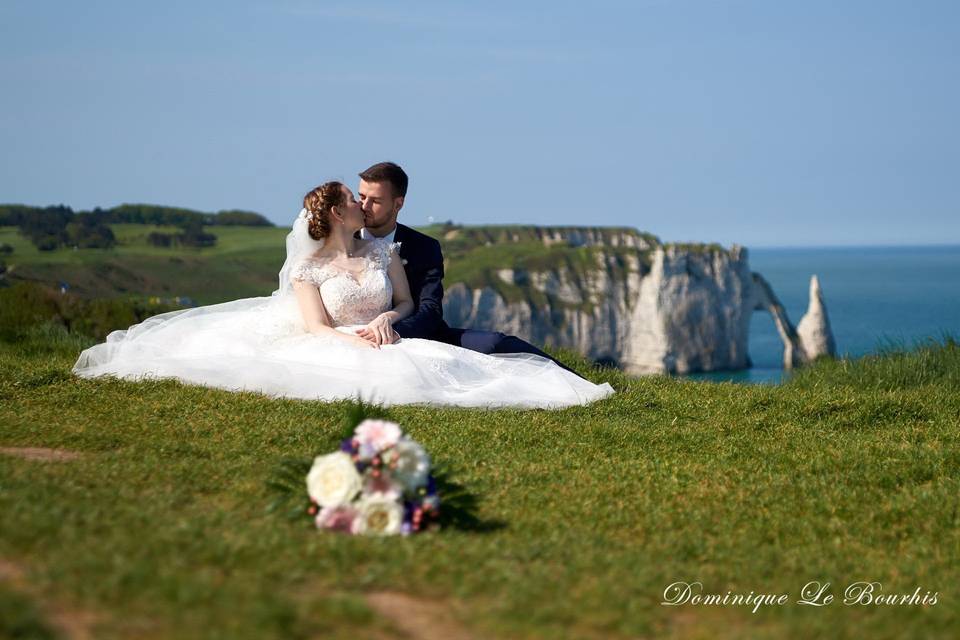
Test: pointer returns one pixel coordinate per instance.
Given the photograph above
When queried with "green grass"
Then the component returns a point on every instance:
(244, 263)
(132, 241)
(19, 617)
(246, 260)
(851, 471)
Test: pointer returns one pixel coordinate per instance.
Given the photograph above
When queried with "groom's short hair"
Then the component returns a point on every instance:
(387, 172)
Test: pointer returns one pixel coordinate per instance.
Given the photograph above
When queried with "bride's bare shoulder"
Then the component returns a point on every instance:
(364, 246)
(313, 262)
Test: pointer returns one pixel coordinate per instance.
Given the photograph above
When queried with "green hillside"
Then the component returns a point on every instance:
(245, 260)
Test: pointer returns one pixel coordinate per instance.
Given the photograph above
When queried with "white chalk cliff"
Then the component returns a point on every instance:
(814, 332)
(646, 307)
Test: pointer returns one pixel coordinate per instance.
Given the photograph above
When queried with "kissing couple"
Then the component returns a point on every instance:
(358, 313)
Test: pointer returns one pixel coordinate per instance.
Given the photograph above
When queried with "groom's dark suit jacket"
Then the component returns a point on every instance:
(423, 263)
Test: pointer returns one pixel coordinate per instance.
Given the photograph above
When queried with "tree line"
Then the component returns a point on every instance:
(56, 226)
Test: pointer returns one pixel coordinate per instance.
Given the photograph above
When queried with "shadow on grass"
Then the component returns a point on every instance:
(459, 507)
(20, 618)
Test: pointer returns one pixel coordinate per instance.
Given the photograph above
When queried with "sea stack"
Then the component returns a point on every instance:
(620, 296)
(816, 338)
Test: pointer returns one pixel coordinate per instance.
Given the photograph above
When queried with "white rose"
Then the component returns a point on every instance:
(333, 479)
(378, 515)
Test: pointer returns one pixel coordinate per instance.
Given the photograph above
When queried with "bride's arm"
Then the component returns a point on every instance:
(402, 300)
(315, 314)
(380, 329)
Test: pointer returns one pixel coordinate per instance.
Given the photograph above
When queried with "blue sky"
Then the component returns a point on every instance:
(756, 122)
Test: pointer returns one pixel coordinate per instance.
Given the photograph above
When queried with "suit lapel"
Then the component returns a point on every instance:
(398, 236)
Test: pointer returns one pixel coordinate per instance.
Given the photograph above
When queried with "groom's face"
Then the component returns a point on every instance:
(380, 205)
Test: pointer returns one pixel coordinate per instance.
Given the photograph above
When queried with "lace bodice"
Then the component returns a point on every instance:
(348, 298)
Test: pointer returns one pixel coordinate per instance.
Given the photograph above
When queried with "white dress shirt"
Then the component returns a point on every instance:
(366, 235)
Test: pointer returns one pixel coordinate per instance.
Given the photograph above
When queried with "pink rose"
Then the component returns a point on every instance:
(374, 436)
(383, 485)
(336, 518)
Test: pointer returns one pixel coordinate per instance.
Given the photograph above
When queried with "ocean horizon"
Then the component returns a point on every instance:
(876, 296)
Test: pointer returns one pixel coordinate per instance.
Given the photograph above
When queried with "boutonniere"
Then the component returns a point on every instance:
(396, 247)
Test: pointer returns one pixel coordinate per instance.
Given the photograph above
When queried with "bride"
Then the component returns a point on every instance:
(326, 334)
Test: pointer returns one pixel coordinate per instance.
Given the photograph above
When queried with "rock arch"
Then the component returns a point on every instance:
(811, 338)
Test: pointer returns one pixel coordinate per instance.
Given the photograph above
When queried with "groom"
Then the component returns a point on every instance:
(382, 190)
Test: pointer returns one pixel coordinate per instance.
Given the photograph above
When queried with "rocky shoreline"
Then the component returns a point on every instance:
(642, 306)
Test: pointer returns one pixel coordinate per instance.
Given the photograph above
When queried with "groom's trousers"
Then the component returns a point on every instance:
(496, 342)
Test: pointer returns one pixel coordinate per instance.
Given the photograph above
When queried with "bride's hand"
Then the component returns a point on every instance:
(366, 334)
(379, 331)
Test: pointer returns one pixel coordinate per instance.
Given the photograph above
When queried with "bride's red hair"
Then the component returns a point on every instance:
(318, 203)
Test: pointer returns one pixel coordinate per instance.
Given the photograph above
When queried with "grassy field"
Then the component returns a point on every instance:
(246, 260)
(244, 263)
(154, 523)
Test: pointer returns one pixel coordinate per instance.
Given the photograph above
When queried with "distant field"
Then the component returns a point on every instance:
(246, 260)
(244, 263)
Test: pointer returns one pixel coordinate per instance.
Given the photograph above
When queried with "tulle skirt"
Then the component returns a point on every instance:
(260, 345)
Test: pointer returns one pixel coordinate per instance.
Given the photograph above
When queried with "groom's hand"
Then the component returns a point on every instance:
(370, 337)
(379, 331)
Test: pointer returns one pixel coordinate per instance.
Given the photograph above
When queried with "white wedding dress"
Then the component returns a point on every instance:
(261, 345)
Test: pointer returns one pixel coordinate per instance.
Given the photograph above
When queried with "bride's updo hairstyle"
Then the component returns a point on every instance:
(318, 203)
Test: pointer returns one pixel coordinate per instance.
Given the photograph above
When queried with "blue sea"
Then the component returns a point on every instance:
(874, 296)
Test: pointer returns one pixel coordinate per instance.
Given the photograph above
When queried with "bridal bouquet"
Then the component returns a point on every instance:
(378, 483)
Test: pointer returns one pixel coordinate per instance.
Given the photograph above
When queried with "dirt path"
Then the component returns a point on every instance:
(418, 619)
(42, 454)
(72, 623)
